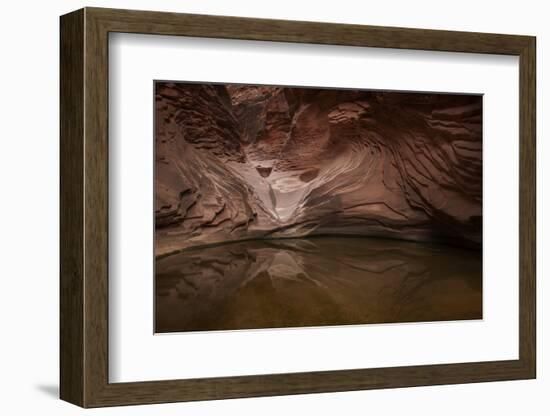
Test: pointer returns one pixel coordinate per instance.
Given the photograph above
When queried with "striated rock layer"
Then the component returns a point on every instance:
(238, 162)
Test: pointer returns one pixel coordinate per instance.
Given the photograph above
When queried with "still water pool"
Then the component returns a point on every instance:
(315, 282)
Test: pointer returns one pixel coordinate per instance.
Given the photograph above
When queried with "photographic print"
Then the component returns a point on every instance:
(281, 206)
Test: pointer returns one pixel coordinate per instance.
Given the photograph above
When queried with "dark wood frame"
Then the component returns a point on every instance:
(84, 208)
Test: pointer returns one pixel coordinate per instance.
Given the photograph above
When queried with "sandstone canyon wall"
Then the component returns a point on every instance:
(237, 162)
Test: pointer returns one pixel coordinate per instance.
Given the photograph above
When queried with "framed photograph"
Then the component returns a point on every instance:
(255, 207)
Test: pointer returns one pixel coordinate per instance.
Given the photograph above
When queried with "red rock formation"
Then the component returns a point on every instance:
(245, 161)
(198, 195)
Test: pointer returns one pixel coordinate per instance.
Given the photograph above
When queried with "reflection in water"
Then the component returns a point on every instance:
(315, 282)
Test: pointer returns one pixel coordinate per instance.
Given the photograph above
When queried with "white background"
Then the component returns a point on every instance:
(29, 209)
(136, 355)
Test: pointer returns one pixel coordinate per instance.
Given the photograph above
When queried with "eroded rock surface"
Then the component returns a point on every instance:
(237, 162)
